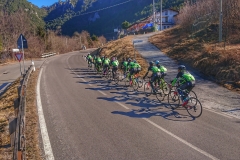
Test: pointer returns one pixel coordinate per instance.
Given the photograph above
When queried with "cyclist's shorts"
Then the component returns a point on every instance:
(114, 68)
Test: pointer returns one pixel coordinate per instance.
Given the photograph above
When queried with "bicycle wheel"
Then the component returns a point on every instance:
(194, 107)
(140, 82)
(117, 78)
(109, 75)
(134, 84)
(165, 88)
(160, 95)
(173, 99)
(192, 94)
(147, 89)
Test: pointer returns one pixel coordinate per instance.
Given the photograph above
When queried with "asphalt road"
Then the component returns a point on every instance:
(212, 95)
(88, 118)
(10, 72)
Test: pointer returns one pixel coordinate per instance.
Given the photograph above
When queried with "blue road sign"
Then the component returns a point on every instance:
(22, 42)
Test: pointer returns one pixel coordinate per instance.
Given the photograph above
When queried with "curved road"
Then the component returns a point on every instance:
(88, 118)
(10, 72)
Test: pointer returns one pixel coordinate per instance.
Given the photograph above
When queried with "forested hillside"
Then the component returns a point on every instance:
(100, 17)
(21, 17)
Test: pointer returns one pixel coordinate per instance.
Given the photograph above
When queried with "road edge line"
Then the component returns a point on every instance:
(182, 140)
(43, 128)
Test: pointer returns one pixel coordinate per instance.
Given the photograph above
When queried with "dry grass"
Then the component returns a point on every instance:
(123, 48)
(212, 59)
(6, 111)
(32, 139)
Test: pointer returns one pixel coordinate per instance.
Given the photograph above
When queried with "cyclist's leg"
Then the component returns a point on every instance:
(153, 78)
(130, 74)
(114, 71)
(181, 88)
(104, 69)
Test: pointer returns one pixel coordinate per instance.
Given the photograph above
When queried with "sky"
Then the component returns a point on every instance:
(41, 3)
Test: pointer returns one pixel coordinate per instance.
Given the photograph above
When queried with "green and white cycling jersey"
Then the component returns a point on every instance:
(106, 61)
(115, 63)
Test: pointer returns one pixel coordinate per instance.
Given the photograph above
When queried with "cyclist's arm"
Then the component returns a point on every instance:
(175, 79)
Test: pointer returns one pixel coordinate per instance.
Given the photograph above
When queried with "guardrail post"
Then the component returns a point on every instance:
(19, 91)
(16, 106)
(12, 129)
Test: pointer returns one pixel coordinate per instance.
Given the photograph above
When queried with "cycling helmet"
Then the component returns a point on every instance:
(151, 63)
(113, 59)
(157, 62)
(181, 67)
(129, 60)
(134, 61)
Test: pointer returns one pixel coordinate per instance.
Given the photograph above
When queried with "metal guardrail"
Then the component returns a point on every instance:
(45, 55)
(19, 138)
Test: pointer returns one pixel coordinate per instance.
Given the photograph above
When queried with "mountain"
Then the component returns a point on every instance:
(36, 14)
(100, 17)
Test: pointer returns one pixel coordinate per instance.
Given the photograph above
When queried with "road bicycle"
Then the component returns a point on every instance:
(118, 77)
(133, 83)
(193, 105)
(107, 73)
(147, 87)
(162, 89)
(89, 65)
(139, 80)
(98, 68)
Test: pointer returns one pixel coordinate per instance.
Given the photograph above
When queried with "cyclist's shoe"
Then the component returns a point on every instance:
(130, 82)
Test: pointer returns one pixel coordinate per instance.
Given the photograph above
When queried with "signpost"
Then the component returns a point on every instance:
(22, 43)
(136, 41)
(19, 56)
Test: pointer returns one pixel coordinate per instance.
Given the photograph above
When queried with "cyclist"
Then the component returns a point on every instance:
(132, 69)
(102, 58)
(98, 62)
(129, 64)
(163, 70)
(89, 58)
(138, 66)
(95, 61)
(155, 74)
(186, 80)
(106, 63)
(114, 64)
(135, 68)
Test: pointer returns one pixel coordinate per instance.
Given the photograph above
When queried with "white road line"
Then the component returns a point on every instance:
(46, 142)
(181, 140)
(122, 105)
(102, 93)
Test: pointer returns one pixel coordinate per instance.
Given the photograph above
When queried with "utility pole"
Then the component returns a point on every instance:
(81, 41)
(220, 22)
(160, 15)
(153, 14)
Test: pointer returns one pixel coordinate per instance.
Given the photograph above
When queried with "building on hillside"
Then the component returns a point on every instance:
(168, 18)
(168, 21)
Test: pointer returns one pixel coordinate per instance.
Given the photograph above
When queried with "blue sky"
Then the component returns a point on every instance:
(41, 3)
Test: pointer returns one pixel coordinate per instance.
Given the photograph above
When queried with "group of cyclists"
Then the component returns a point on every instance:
(131, 67)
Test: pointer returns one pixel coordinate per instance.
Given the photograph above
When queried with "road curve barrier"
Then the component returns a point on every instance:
(17, 122)
(45, 55)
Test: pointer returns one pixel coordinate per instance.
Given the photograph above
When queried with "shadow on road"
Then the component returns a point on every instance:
(146, 107)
